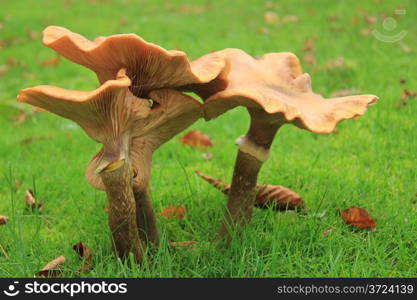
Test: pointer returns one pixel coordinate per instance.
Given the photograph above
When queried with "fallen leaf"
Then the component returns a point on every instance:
(51, 62)
(207, 156)
(53, 268)
(365, 31)
(34, 138)
(3, 220)
(33, 35)
(270, 17)
(345, 92)
(290, 19)
(84, 252)
(17, 183)
(406, 95)
(20, 118)
(371, 19)
(263, 30)
(3, 70)
(31, 203)
(196, 139)
(327, 231)
(310, 58)
(308, 45)
(183, 244)
(177, 212)
(358, 217)
(276, 197)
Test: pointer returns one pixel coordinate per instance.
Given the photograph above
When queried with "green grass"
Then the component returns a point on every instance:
(370, 163)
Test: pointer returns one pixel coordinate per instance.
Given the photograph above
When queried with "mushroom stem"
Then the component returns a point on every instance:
(117, 178)
(145, 216)
(253, 152)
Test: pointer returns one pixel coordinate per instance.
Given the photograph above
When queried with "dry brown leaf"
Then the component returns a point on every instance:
(327, 231)
(358, 217)
(196, 139)
(183, 244)
(177, 212)
(53, 268)
(371, 19)
(365, 31)
(270, 17)
(290, 19)
(17, 183)
(308, 45)
(207, 156)
(345, 92)
(30, 201)
(34, 138)
(84, 252)
(310, 58)
(3, 220)
(32, 34)
(333, 18)
(263, 30)
(3, 70)
(406, 95)
(21, 118)
(276, 197)
(51, 62)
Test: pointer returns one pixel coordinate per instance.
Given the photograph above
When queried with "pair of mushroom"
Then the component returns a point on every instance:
(140, 105)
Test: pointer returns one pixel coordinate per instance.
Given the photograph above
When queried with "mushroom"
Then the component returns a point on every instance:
(130, 130)
(275, 92)
(149, 66)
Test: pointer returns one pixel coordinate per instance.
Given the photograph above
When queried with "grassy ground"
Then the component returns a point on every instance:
(370, 163)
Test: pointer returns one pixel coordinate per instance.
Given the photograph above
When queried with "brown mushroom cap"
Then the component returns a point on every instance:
(173, 113)
(148, 65)
(275, 84)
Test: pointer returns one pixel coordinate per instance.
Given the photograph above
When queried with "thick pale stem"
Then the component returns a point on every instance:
(145, 216)
(253, 151)
(117, 178)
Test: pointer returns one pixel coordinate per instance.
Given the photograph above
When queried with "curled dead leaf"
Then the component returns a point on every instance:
(3, 220)
(406, 95)
(34, 138)
(3, 70)
(290, 19)
(270, 17)
(183, 244)
(31, 202)
(276, 197)
(358, 217)
(84, 252)
(196, 139)
(51, 62)
(177, 212)
(53, 268)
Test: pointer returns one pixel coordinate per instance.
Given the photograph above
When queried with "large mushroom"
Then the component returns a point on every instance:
(149, 67)
(130, 129)
(275, 92)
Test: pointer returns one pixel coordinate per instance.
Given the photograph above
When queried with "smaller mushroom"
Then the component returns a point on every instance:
(275, 92)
